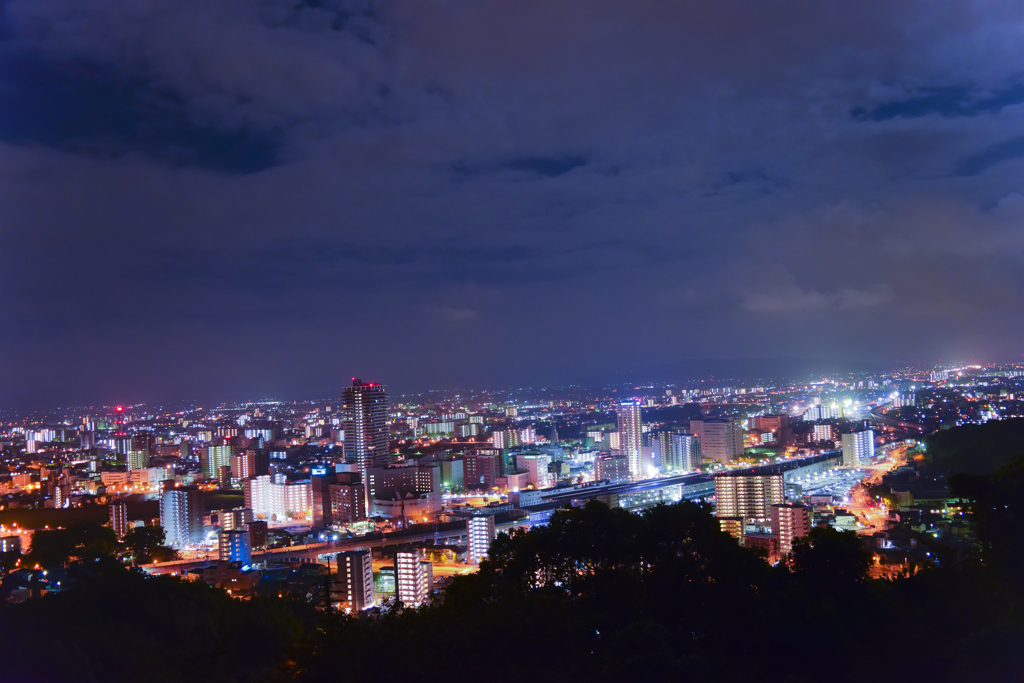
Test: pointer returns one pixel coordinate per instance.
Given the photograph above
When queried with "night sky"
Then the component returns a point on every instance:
(227, 199)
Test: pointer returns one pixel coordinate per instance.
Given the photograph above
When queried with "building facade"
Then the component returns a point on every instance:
(679, 451)
(411, 580)
(365, 421)
(482, 469)
(480, 532)
(721, 439)
(631, 435)
(750, 496)
(355, 579)
(347, 498)
(790, 522)
(611, 468)
(267, 500)
(858, 448)
(119, 518)
(181, 516)
(235, 545)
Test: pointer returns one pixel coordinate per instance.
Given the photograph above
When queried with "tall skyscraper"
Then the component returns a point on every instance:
(181, 516)
(479, 534)
(119, 518)
(858, 448)
(355, 579)
(750, 496)
(630, 435)
(365, 414)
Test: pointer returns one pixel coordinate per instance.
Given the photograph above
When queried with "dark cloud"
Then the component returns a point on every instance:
(227, 197)
(90, 109)
(976, 164)
(959, 101)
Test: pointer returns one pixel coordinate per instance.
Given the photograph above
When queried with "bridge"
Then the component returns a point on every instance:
(908, 427)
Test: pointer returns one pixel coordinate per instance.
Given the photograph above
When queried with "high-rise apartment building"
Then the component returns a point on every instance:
(137, 460)
(181, 516)
(750, 496)
(631, 435)
(119, 518)
(412, 586)
(858, 448)
(479, 534)
(789, 522)
(506, 438)
(823, 432)
(820, 412)
(679, 451)
(355, 579)
(267, 500)
(365, 414)
(212, 458)
(252, 462)
(721, 439)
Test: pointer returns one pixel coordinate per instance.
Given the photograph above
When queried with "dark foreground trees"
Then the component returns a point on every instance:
(605, 595)
(597, 595)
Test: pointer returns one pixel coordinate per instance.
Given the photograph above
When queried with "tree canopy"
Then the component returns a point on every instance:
(977, 449)
(598, 594)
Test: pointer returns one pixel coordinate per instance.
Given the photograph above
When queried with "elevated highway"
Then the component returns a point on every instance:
(691, 486)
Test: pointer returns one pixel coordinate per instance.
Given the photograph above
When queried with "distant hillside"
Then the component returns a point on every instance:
(754, 369)
(978, 449)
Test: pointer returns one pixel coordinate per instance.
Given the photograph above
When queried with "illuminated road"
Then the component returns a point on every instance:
(870, 512)
(438, 533)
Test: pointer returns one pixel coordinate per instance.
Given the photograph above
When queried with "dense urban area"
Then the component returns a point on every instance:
(735, 530)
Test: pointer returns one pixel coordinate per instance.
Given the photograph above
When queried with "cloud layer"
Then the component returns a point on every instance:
(217, 199)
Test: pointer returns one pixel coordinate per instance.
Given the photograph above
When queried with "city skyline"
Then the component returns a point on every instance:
(789, 372)
(550, 340)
